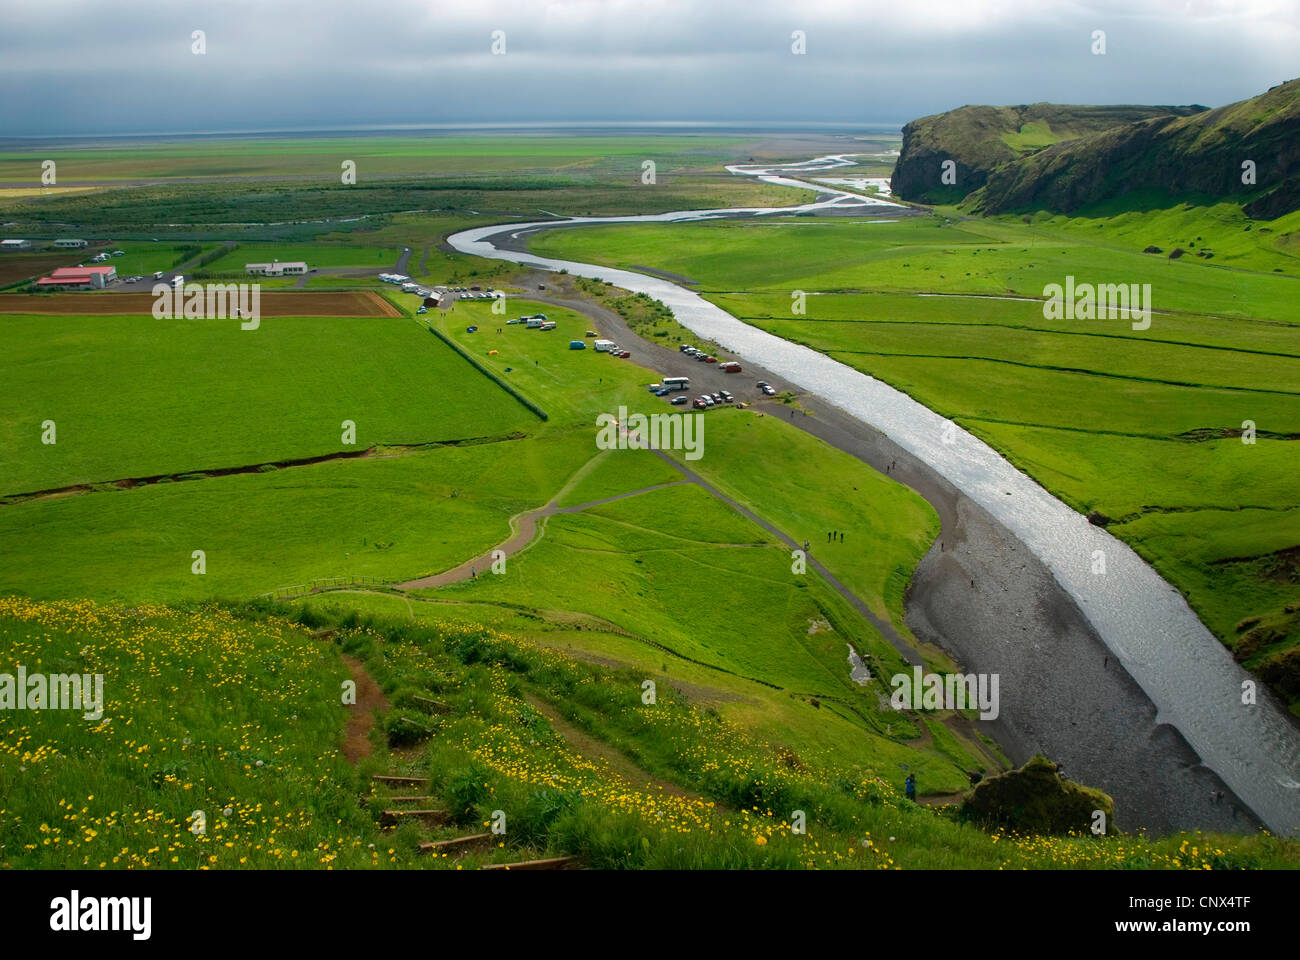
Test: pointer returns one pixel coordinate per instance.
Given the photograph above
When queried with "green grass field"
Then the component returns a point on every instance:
(373, 155)
(315, 255)
(138, 397)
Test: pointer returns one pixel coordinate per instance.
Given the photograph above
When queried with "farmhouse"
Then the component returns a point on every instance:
(78, 278)
(8, 245)
(276, 268)
(70, 244)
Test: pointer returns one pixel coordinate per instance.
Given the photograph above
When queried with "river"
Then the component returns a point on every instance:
(1184, 669)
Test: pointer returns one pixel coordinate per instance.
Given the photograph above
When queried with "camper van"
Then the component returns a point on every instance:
(605, 346)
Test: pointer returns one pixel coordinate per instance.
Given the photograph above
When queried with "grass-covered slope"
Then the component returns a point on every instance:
(235, 721)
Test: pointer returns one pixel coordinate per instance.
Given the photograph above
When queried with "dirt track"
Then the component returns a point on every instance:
(274, 303)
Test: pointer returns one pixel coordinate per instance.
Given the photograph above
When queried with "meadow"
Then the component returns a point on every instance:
(569, 752)
(140, 397)
(314, 254)
(305, 157)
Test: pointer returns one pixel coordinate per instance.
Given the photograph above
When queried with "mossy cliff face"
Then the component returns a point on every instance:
(1036, 799)
(981, 139)
(1064, 159)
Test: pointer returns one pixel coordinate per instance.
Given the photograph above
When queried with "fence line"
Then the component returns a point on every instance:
(319, 584)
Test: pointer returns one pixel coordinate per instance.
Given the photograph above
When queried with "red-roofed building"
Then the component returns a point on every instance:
(78, 278)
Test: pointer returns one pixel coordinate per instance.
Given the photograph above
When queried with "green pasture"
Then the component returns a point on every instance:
(137, 396)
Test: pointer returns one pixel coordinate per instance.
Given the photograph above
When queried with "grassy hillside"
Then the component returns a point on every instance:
(568, 758)
(1198, 157)
(979, 139)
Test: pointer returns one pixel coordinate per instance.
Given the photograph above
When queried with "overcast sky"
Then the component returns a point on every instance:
(128, 66)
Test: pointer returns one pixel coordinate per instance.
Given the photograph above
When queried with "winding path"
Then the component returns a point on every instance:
(1190, 682)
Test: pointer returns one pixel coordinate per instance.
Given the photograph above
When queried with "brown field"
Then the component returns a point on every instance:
(18, 266)
(274, 303)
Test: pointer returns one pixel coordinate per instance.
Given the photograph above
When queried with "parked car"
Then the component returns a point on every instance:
(699, 403)
(731, 366)
(662, 392)
(710, 359)
(760, 384)
(769, 391)
(727, 397)
(625, 354)
(677, 401)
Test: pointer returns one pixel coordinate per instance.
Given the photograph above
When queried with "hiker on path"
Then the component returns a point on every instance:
(909, 787)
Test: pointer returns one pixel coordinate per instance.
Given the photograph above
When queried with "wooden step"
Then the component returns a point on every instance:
(435, 706)
(407, 781)
(554, 863)
(435, 816)
(410, 799)
(441, 845)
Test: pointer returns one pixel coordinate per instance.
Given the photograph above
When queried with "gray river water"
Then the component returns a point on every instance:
(1187, 673)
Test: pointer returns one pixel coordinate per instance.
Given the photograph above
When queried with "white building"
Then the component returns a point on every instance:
(70, 244)
(15, 245)
(276, 269)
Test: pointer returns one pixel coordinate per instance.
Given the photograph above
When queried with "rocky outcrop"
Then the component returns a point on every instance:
(1037, 799)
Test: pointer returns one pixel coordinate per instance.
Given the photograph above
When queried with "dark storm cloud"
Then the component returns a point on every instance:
(75, 67)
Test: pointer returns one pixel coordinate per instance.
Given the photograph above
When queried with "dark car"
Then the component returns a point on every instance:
(678, 401)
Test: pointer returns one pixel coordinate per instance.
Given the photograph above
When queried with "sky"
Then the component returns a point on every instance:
(76, 67)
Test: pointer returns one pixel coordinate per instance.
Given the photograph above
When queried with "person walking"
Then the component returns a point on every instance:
(909, 787)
